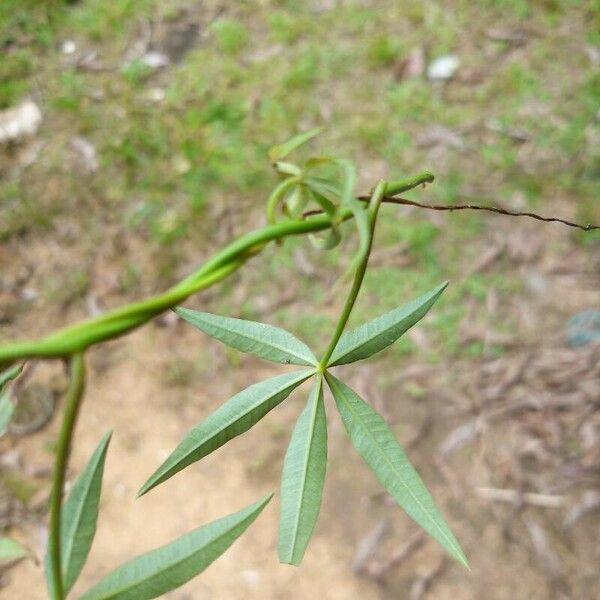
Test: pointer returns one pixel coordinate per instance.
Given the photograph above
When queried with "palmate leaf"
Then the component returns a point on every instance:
(79, 517)
(381, 332)
(168, 567)
(266, 341)
(375, 442)
(302, 479)
(231, 419)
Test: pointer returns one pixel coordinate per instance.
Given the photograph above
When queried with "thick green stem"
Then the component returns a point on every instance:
(72, 403)
(117, 322)
(80, 336)
(404, 185)
(374, 205)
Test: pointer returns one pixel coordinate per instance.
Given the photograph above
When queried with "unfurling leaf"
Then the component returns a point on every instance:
(302, 479)
(296, 201)
(79, 518)
(266, 341)
(381, 332)
(231, 419)
(333, 237)
(375, 442)
(152, 574)
(282, 150)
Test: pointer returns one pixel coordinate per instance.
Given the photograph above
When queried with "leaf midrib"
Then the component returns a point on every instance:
(70, 541)
(311, 359)
(79, 514)
(307, 458)
(417, 501)
(358, 345)
(237, 417)
(172, 565)
(433, 296)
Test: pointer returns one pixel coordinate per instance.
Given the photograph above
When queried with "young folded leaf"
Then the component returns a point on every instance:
(266, 341)
(381, 332)
(302, 479)
(231, 419)
(375, 442)
(79, 517)
(282, 150)
(152, 574)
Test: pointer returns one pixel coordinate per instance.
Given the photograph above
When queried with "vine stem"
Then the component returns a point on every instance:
(72, 404)
(374, 204)
(117, 322)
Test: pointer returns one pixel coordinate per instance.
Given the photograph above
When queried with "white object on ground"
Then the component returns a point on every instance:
(443, 68)
(19, 122)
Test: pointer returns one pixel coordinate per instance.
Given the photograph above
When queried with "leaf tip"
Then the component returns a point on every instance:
(146, 488)
(266, 498)
(462, 559)
(293, 562)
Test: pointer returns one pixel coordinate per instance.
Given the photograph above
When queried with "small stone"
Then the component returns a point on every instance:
(443, 68)
(155, 60)
(86, 153)
(19, 122)
(156, 94)
(68, 47)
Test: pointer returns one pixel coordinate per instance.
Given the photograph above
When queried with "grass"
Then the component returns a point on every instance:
(178, 146)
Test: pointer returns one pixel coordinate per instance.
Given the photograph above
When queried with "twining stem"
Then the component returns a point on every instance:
(359, 275)
(72, 403)
(117, 322)
(404, 185)
(80, 336)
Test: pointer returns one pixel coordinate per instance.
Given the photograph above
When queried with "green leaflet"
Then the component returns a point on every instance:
(266, 341)
(375, 442)
(302, 479)
(381, 332)
(10, 550)
(6, 410)
(79, 517)
(231, 419)
(158, 571)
